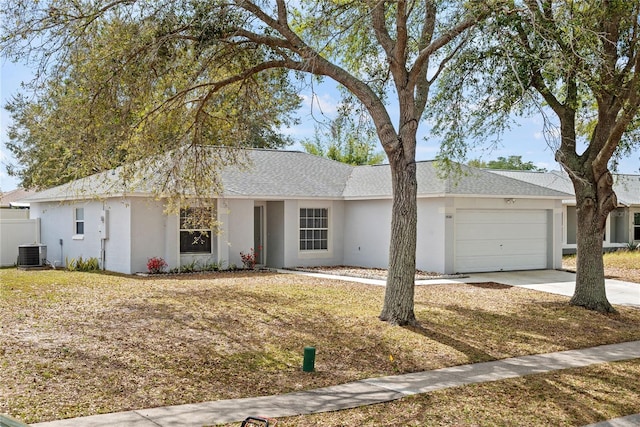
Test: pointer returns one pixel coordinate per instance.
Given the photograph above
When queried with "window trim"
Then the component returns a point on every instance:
(76, 222)
(313, 229)
(208, 231)
(636, 226)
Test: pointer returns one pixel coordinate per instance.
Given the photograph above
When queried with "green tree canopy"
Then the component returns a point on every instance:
(506, 163)
(345, 141)
(134, 84)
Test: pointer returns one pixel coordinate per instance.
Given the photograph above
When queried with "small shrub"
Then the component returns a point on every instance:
(189, 267)
(249, 259)
(214, 266)
(633, 246)
(156, 265)
(79, 264)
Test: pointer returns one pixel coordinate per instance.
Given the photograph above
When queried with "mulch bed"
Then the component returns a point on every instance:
(372, 273)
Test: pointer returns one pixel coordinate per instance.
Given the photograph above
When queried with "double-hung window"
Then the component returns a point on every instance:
(78, 221)
(636, 226)
(314, 229)
(195, 230)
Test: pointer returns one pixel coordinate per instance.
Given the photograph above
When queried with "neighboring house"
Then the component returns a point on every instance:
(13, 200)
(623, 224)
(304, 210)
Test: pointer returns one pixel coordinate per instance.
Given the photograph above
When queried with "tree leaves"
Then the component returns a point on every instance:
(138, 82)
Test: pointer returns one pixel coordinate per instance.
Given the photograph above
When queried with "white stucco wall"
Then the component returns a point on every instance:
(57, 224)
(172, 241)
(117, 245)
(236, 232)
(433, 249)
(334, 255)
(148, 232)
(359, 231)
(367, 230)
(368, 233)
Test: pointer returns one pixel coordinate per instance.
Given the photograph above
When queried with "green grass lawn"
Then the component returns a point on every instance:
(75, 344)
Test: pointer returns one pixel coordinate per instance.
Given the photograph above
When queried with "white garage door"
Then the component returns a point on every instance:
(497, 240)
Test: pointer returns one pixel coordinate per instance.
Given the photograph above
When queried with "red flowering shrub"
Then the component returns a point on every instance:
(156, 265)
(249, 259)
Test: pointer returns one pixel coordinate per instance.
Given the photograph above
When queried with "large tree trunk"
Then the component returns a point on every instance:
(593, 203)
(399, 293)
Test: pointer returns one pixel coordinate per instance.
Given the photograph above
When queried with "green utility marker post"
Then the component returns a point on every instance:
(309, 359)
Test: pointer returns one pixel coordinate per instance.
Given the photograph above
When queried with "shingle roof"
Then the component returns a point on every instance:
(274, 173)
(554, 179)
(267, 173)
(14, 197)
(627, 187)
(375, 181)
(294, 174)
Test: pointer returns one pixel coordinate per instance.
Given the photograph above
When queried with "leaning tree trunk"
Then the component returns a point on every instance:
(593, 205)
(399, 293)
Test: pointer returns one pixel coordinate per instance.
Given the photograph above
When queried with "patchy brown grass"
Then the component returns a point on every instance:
(621, 265)
(74, 344)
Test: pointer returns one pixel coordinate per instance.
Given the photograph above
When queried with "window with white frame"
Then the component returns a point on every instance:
(314, 229)
(636, 226)
(78, 220)
(195, 230)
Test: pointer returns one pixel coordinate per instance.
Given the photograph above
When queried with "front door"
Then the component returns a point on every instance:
(258, 234)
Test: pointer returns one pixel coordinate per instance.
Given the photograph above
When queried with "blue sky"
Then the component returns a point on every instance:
(524, 140)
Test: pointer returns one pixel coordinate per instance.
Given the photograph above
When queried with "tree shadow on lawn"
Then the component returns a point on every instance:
(529, 328)
(473, 353)
(583, 395)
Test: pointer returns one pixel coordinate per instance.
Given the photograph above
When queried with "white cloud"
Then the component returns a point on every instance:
(319, 104)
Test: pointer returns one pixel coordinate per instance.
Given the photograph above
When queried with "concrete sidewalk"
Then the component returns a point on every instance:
(358, 393)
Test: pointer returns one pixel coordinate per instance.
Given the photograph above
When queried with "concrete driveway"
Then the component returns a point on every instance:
(553, 281)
